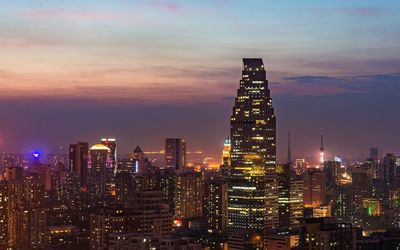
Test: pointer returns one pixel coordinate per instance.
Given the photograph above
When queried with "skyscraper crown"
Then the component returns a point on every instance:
(251, 64)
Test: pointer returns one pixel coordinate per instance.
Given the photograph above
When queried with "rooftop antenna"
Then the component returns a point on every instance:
(321, 149)
(289, 150)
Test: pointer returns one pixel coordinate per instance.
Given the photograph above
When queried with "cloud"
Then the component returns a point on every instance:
(310, 78)
(356, 11)
(88, 15)
(328, 85)
(120, 84)
(167, 6)
(381, 77)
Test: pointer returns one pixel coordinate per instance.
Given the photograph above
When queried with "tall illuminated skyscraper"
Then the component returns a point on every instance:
(100, 162)
(253, 158)
(112, 145)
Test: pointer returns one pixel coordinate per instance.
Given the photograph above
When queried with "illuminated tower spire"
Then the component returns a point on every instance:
(289, 151)
(321, 149)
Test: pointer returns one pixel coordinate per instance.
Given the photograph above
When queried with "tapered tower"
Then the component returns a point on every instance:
(252, 198)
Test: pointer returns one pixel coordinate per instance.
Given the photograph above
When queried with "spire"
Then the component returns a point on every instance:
(322, 141)
(137, 149)
(321, 149)
(289, 151)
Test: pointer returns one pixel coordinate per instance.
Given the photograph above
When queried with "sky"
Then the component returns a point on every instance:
(141, 71)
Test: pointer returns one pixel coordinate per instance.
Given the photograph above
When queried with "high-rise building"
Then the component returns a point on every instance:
(78, 161)
(189, 194)
(175, 153)
(252, 196)
(325, 234)
(100, 168)
(226, 153)
(226, 157)
(374, 154)
(333, 173)
(124, 186)
(283, 185)
(296, 200)
(111, 143)
(4, 207)
(152, 213)
(14, 173)
(215, 199)
(290, 197)
(390, 171)
(141, 164)
(150, 217)
(28, 222)
(314, 188)
(105, 222)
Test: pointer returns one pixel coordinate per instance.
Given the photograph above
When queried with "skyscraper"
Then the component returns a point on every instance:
(112, 145)
(99, 161)
(175, 153)
(78, 160)
(374, 154)
(390, 171)
(314, 187)
(189, 193)
(253, 157)
(290, 197)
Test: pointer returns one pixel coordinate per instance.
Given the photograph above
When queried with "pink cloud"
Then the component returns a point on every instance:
(167, 6)
(75, 14)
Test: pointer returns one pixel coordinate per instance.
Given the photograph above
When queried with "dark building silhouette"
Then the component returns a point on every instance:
(175, 153)
(325, 233)
(78, 161)
(314, 187)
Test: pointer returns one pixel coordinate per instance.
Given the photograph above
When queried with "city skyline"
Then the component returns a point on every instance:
(211, 125)
(98, 69)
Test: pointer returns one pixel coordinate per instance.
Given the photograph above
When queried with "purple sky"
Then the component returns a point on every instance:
(141, 71)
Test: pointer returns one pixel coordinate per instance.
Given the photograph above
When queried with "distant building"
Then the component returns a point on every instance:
(215, 205)
(290, 197)
(149, 218)
(141, 164)
(374, 154)
(111, 143)
(100, 170)
(333, 173)
(78, 161)
(314, 187)
(390, 171)
(325, 234)
(14, 173)
(109, 221)
(281, 242)
(175, 153)
(189, 194)
(28, 223)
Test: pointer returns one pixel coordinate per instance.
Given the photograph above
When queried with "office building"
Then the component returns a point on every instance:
(78, 161)
(314, 187)
(175, 153)
(253, 156)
